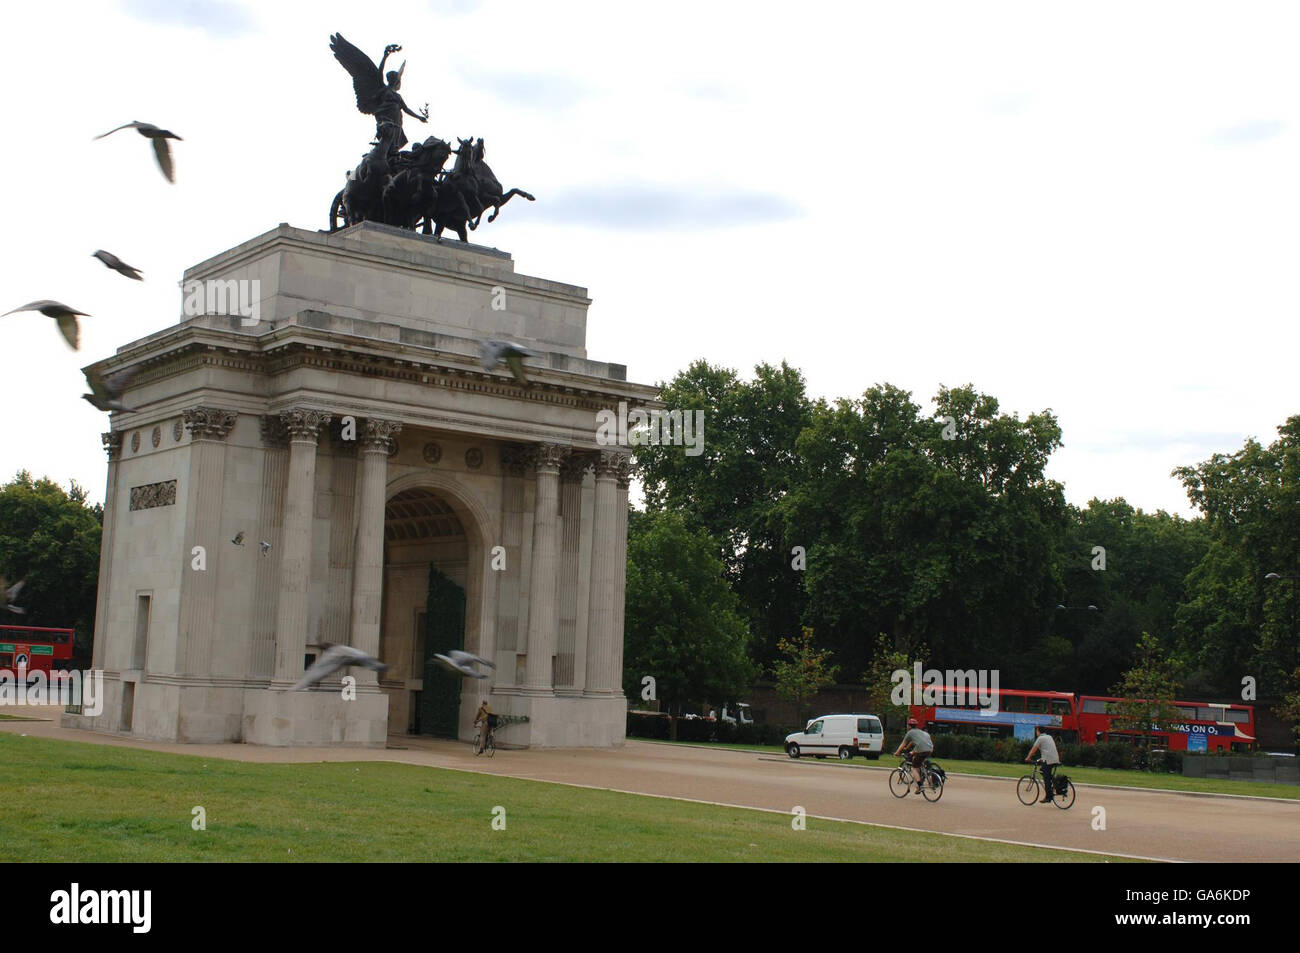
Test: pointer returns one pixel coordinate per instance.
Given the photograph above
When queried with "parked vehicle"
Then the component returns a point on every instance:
(737, 714)
(841, 735)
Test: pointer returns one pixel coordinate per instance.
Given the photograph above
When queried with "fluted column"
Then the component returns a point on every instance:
(209, 427)
(622, 479)
(303, 427)
(113, 447)
(603, 676)
(543, 610)
(374, 445)
(571, 474)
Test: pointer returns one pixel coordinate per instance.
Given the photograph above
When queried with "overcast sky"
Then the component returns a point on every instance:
(1090, 208)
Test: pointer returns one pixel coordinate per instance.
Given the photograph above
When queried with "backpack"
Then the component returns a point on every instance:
(1061, 783)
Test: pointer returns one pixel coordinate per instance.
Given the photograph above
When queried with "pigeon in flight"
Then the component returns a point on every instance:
(463, 662)
(161, 150)
(494, 352)
(239, 538)
(266, 547)
(8, 595)
(334, 658)
(122, 268)
(106, 392)
(60, 312)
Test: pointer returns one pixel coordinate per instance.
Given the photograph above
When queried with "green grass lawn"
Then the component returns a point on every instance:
(72, 801)
(1079, 775)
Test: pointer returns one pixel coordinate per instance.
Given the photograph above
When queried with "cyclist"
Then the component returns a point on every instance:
(485, 717)
(1046, 748)
(920, 745)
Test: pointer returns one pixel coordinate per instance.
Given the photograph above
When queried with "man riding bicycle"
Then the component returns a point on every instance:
(920, 745)
(488, 720)
(1046, 748)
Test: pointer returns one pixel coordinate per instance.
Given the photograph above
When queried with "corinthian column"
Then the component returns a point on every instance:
(543, 609)
(604, 659)
(113, 447)
(368, 560)
(209, 427)
(303, 427)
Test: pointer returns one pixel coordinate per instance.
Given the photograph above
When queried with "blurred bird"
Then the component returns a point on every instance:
(463, 662)
(65, 317)
(122, 268)
(266, 547)
(106, 392)
(333, 658)
(239, 538)
(161, 150)
(9, 593)
(494, 352)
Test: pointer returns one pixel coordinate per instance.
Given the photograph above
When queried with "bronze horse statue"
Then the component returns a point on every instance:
(467, 192)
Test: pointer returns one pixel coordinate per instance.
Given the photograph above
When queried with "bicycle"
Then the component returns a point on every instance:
(1027, 788)
(488, 744)
(901, 781)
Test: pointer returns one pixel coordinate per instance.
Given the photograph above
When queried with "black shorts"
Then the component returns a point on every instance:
(919, 758)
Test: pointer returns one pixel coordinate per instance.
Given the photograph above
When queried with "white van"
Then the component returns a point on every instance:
(840, 735)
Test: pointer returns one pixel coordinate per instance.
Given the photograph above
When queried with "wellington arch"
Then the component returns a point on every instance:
(342, 469)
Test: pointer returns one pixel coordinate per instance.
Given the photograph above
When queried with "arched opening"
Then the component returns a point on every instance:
(424, 531)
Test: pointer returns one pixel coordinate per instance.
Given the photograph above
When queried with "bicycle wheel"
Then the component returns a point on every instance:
(932, 788)
(1027, 789)
(491, 746)
(478, 743)
(900, 782)
(1065, 801)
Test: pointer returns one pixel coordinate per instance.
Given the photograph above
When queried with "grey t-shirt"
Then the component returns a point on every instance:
(1046, 749)
(920, 740)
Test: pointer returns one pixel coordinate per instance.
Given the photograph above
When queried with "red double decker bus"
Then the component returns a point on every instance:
(1018, 712)
(1202, 726)
(35, 649)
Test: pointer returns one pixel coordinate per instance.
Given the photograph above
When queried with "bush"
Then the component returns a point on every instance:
(642, 724)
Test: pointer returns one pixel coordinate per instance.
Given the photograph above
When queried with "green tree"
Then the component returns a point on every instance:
(881, 682)
(50, 538)
(1234, 621)
(803, 672)
(748, 463)
(682, 623)
(1147, 692)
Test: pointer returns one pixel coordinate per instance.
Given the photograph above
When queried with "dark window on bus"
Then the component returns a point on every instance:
(1012, 703)
(1187, 711)
(1206, 713)
(1094, 706)
(1060, 706)
(1036, 706)
(1238, 715)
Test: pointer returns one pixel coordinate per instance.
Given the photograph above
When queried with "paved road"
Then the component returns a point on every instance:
(1138, 823)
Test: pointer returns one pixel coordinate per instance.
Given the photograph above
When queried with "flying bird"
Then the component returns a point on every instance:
(266, 547)
(334, 658)
(65, 317)
(239, 538)
(494, 352)
(161, 150)
(9, 594)
(122, 268)
(106, 392)
(463, 662)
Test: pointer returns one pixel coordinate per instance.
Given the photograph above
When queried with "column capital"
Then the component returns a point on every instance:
(304, 423)
(515, 459)
(274, 433)
(209, 423)
(574, 466)
(112, 444)
(377, 435)
(548, 457)
(610, 464)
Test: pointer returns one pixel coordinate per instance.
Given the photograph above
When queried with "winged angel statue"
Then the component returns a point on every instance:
(375, 97)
